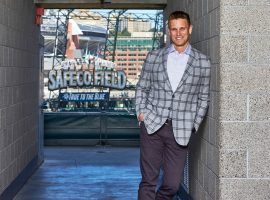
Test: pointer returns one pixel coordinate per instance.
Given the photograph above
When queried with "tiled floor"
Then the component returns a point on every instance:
(92, 173)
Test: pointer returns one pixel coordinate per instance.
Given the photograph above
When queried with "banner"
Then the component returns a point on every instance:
(82, 97)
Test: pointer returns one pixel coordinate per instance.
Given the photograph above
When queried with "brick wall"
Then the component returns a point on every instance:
(19, 73)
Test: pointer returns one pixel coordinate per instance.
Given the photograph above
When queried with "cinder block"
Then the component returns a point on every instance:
(214, 48)
(201, 172)
(216, 4)
(194, 170)
(258, 52)
(207, 28)
(233, 107)
(235, 189)
(213, 158)
(202, 194)
(203, 151)
(208, 47)
(259, 161)
(200, 30)
(212, 131)
(10, 116)
(228, 131)
(1, 13)
(213, 110)
(200, 8)
(2, 37)
(9, 135)
(206, 180)
(250, 135)
(259, 2)
(204, 129)
(244, 78)
(1, 183)
(204, 47)
(208, 197)
(194, 190)
(4, 158)
(259, 107)
(1, 160)
(9, 158)
(214, 22)
(3, 118)
(1, 53)
(210, 5)
(212, 184)
(233, 49)
(260, 16)
(233, 164)
(234, 2)
(205, 7)
(5, 56)
(4, 15)
(194, 10)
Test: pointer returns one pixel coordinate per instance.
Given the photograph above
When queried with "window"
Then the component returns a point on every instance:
(141, 54)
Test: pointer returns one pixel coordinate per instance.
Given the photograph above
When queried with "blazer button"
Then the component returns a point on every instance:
(173, 96)
(169, 108)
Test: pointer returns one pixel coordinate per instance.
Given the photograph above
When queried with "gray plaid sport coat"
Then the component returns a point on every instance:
(188, 104)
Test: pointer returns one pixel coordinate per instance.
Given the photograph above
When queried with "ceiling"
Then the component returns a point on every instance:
(103, 4)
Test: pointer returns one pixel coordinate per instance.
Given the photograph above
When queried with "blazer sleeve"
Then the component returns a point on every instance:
(143, 86)
(204, 96)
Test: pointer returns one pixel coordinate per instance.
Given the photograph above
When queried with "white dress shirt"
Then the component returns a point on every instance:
(176, 65)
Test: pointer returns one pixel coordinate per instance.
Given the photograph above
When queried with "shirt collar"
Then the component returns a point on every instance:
(171, 49)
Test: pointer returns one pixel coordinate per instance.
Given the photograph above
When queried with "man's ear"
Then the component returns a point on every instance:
(190, 29)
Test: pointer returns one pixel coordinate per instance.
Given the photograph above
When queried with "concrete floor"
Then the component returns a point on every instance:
(92, 173)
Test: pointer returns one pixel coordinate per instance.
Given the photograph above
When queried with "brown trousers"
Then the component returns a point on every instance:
(160, 150)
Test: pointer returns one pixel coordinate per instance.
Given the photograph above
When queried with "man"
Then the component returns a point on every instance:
(172, 98)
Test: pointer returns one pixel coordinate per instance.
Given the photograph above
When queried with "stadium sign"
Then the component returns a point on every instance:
(70, 73)
(70, 78)
(88, 96)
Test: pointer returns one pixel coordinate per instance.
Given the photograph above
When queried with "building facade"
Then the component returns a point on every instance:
(130, 55)
(134, 25)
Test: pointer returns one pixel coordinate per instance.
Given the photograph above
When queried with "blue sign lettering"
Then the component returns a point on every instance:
(81, 97)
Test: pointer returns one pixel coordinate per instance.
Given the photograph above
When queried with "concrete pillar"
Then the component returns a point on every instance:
(229, 157)
(19, 70)
(244, 114)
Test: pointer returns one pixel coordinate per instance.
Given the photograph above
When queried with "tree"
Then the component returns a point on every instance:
(124, 32)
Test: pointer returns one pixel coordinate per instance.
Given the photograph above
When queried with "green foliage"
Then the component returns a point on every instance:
(124, 33)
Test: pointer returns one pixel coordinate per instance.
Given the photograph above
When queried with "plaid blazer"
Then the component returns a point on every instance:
(188, 104)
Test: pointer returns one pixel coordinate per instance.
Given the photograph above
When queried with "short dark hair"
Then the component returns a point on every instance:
(179, 15)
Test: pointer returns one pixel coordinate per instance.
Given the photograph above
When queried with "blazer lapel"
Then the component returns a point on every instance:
(164, 63)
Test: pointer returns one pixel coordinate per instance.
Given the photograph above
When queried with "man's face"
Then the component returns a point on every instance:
(180, 31)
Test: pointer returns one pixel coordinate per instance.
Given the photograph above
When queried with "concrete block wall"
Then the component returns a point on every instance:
(204, 151)
(244, 100)
(230, 156)
(19, 78)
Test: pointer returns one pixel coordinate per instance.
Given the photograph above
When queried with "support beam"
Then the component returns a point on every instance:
(110, 4)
